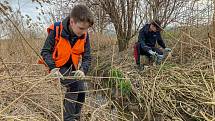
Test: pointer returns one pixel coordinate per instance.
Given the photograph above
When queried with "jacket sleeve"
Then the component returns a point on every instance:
(86, 57)
(141, 38)
(48, 50)
(160, 41)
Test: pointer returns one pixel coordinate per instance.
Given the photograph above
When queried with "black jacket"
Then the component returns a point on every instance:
(147, 38)
(48, 48)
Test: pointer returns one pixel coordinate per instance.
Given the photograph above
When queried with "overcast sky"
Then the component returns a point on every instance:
(26, 6)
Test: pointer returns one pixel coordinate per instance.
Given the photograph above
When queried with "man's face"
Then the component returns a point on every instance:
(79, 28)
(153, 28)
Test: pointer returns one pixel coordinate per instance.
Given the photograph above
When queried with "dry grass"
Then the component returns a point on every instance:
(180, 89)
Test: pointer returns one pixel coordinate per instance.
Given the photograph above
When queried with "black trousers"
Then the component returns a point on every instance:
(144, 51)
(72, 108)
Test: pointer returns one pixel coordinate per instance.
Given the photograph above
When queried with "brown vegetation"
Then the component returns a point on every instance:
(181, 88)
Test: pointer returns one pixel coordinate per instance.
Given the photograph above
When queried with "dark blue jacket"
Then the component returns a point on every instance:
(147, 38)
(48, 48)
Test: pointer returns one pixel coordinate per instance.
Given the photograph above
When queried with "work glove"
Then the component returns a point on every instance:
(167, 49)
(78, 73)
(152, 53)
(56, 73)
(159, 59)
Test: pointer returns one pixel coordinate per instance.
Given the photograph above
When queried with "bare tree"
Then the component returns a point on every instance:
(125, 15)
(102, 20)
(165, 10)
(214, 18)
(128, 15)
(121, 13)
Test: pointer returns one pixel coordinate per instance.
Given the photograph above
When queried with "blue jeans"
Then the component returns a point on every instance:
(72, 109)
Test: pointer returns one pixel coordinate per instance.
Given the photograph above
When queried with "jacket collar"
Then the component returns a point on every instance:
(146, 28)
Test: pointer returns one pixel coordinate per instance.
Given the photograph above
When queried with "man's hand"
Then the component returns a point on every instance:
(79, 73)
(56, 73)
(152, 53)
(167, 49)
(159, 59)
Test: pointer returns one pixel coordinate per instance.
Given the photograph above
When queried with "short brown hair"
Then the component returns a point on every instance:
(81, 13)
(157, 24)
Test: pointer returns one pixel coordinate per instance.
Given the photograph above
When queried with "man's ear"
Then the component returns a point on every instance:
(71, 21)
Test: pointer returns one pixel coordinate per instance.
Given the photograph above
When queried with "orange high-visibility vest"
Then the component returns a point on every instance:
(63, 51)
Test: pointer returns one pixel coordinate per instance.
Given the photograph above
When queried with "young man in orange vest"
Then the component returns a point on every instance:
(66, 46)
